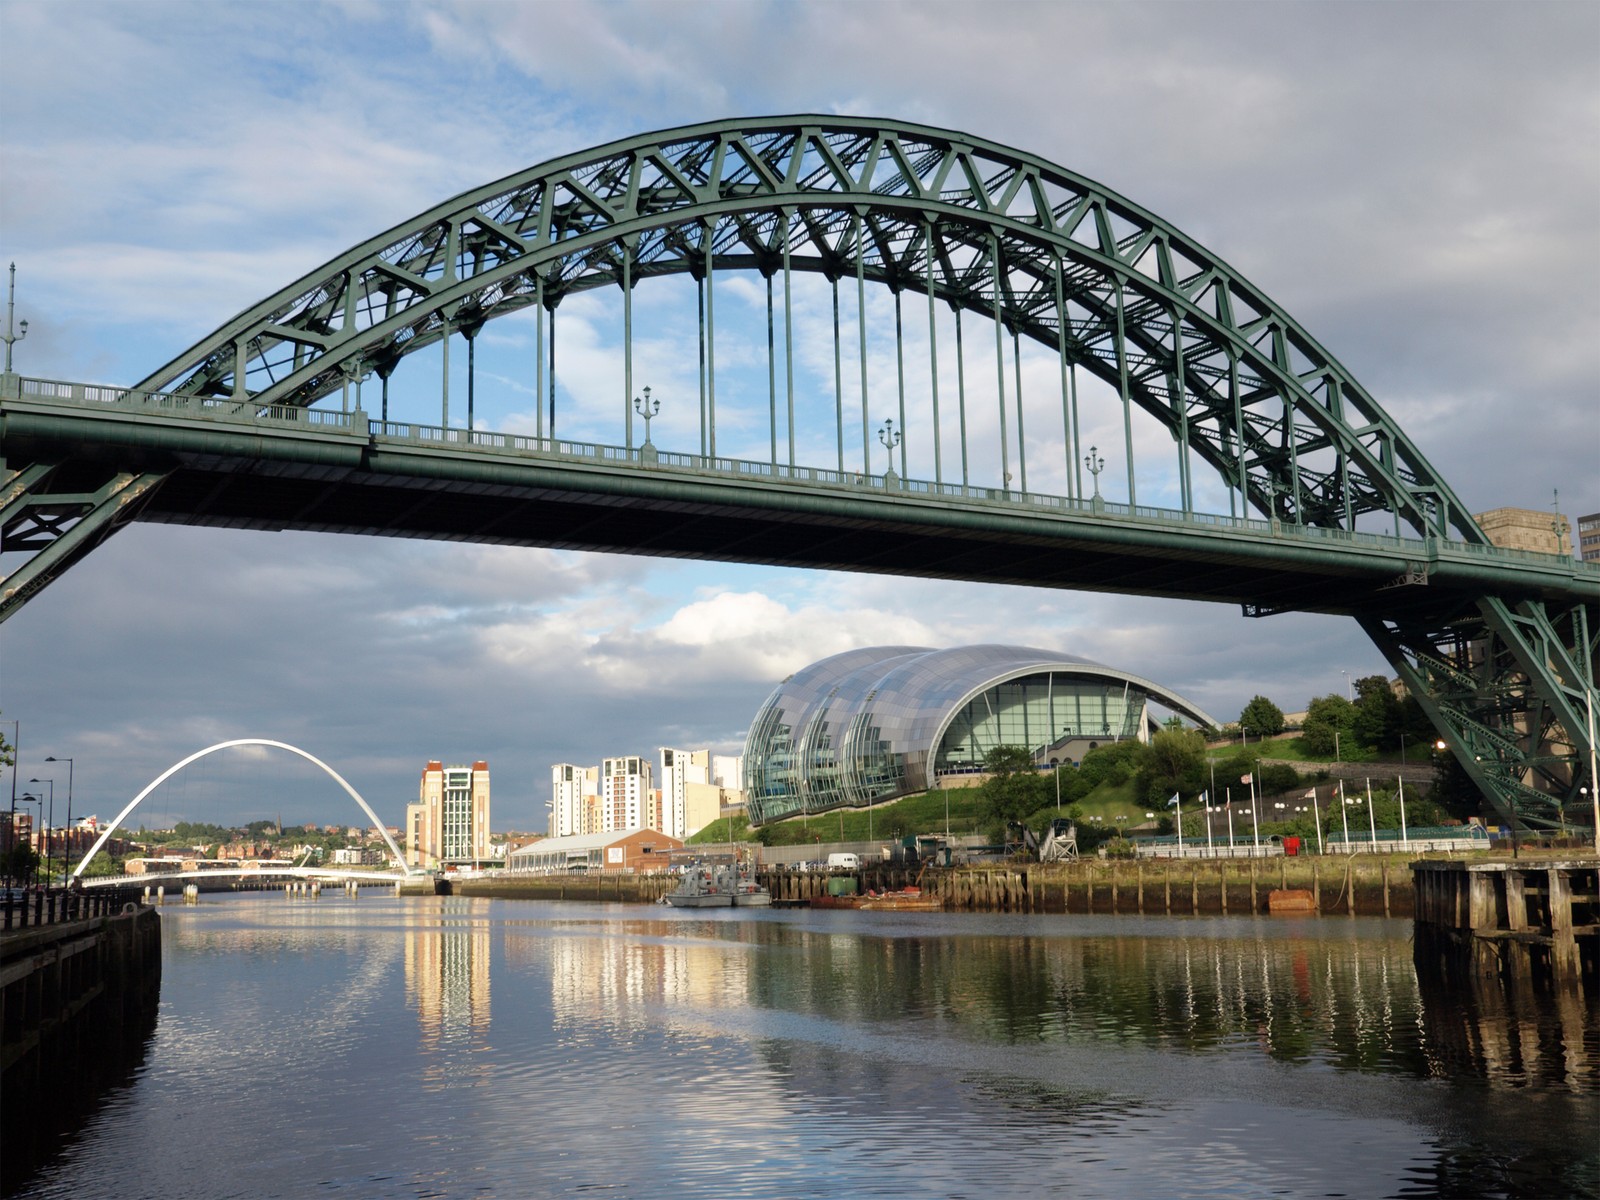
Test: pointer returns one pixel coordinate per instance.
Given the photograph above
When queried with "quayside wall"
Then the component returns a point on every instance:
(78, 1003)
(1360, 885)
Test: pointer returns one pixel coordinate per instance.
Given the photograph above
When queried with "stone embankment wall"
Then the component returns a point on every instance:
(1363, 885)
(78, 1005)
(1360, 885)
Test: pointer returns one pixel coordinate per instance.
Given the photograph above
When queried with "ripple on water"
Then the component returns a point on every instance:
(445, 1048)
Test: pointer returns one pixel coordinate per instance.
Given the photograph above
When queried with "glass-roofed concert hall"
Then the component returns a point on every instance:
(874, 724)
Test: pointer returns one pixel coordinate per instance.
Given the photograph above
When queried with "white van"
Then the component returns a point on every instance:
(844, 862)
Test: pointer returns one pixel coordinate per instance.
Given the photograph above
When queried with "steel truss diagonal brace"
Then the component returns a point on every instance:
(1507, 685)
(60, 527)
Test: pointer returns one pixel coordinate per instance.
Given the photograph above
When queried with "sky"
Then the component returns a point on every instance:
(1419, 185)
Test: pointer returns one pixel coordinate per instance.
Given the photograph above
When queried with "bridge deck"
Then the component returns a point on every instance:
(236, 466)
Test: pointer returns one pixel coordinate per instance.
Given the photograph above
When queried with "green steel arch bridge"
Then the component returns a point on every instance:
(938, 243)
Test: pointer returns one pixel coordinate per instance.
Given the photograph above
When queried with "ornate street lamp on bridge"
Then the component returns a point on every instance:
(647, 408)
(890, 439)
(1096, 463)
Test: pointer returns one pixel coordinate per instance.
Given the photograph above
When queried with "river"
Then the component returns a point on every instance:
(375, 1046)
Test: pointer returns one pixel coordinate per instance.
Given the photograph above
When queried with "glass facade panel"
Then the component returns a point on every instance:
(874, 724)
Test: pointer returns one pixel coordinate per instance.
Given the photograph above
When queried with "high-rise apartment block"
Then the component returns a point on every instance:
(680, 769)
(450, 821)
(620, 794)
(575, 791)
(627, 795)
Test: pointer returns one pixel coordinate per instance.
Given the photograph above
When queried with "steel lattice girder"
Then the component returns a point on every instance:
(1078, 268)
(61, 513)
(1509, 685)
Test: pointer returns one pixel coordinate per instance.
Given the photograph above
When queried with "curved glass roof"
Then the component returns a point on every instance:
(872, 724)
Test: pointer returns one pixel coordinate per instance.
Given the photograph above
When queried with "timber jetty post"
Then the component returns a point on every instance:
(1536, 919)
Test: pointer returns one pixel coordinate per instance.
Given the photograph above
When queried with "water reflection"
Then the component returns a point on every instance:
(447, 979)
(650, 1051)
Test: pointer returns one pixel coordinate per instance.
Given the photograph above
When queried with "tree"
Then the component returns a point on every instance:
(1262, 717)
(1378, 718)
(1176, 762)
(1114, 764)
(1014, 790)
(1325, 717)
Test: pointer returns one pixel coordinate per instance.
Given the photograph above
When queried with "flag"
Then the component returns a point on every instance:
(1247, 778)
(1312, 794)
(1173, 801)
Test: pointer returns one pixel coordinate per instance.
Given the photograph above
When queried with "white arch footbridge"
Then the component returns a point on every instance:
(399, 856)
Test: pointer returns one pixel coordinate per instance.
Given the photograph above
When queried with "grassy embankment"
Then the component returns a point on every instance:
(924, 813)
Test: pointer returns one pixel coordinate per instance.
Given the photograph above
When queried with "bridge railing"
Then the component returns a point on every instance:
(232, 410)
(177, 404)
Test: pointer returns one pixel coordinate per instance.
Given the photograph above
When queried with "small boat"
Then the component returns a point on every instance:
(747, 893)
(699, 888)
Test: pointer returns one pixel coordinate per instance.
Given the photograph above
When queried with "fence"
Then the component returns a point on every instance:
(57, 905)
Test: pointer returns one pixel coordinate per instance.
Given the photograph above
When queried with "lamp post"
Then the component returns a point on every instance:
(11, 829)
(647, 408)
(1096, 463)
(11, 309)
(68, 854)
(30, 798)
(49, 840)
(890, 439)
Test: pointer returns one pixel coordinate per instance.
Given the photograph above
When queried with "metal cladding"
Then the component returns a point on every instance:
(869, 725)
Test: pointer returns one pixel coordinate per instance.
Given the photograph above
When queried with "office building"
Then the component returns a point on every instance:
(1589, 538)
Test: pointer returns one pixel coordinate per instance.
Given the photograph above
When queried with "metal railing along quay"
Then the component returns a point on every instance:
(28, 908)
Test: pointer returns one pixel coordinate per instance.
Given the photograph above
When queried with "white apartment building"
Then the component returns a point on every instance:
(679, 769)
(727, 771)
(571, 786)
(627, 795)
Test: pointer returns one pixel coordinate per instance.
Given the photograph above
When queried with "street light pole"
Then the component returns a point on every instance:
(49, 840)
(16, 765)
(11, 335)
(68, 854)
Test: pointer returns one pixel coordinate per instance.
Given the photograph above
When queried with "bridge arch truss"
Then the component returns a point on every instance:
(942, 219)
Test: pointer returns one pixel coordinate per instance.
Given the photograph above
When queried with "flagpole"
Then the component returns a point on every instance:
(1344, 815)
(1372, 818)
(1255, 820)
(1177, 798)
(1405, 837)
(1229, 793)
(1211, 851)
(1317, 813)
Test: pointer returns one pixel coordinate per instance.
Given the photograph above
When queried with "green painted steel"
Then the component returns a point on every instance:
(998, 235)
